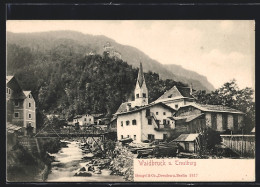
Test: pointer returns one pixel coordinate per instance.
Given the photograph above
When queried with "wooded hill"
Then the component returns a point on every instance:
(85, 43)
(66, 81)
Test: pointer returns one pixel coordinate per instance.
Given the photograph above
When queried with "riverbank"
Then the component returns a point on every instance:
(28, 164)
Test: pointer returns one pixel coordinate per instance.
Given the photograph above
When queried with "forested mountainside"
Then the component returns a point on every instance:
(67, 81)
(84, 44)
(185, 75)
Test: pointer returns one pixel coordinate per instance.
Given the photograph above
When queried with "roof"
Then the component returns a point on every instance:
(140, 78)
(176, 93)
(188, 118)
(253, 130)
(8, 78)
(213, 108)
(122, 107)
(186, 138)
(97, 115)
(26, 93)
(113, 118)
(12, 128)
(123, 110)
(14, 85)
(77, 116)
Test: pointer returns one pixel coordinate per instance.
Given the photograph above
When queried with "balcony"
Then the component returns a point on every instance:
(162, 127)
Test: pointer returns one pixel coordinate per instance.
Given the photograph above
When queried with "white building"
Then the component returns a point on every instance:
(177, 97)
(85, 119)
(145, 123)
(142, 121)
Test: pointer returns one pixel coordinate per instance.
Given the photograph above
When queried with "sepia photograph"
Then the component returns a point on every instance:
(130, 100)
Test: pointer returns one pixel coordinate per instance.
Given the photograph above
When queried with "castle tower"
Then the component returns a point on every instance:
(141, 92)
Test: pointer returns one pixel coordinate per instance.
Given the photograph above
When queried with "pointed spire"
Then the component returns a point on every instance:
(140, 77)
(191, 88)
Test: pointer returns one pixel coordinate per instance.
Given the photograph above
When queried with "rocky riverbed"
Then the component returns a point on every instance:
(77, 162)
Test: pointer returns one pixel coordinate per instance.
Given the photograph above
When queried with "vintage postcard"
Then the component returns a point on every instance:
(130, 101)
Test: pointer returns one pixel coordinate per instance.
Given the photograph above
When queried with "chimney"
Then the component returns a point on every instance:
(128, 106)
(190, 88)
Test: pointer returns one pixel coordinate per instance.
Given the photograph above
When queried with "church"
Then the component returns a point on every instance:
(142, 121)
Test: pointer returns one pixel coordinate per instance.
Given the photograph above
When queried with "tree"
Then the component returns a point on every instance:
(208, 140)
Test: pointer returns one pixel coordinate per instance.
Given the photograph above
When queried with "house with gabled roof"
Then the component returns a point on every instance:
(177, 97)
(194, 117)
(21, 108)
(142, 121)
(83, 120)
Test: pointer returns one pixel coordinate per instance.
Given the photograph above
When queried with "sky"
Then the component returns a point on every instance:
(221, 50)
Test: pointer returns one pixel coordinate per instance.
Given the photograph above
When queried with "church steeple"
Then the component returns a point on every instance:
(140, 78)
(141, 92)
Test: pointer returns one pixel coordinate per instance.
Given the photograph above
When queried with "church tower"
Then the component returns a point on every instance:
(141, 92)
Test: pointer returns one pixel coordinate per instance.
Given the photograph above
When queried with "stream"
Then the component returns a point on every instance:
(69, 160)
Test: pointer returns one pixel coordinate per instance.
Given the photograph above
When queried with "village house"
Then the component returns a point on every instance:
(112, 125)
(148, 122)
(20, 106)
(142, 121)
(99, 119)
(177, 97)
(194, 117)
(83, 120)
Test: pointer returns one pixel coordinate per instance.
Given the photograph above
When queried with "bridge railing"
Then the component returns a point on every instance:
(93, 130)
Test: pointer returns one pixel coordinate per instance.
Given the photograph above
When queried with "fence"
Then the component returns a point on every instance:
(242, 144)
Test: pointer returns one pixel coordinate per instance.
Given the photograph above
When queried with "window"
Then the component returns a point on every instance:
(134, 137)
(186, 146)
(164, 121)
(147, 112)
(30, 105)
(214, 121)
(16, 103)
(128, 136)
(122, 123)
(29, 95)
(150, 136)
(30, 116)
(137, 95)
(9, 90)
(144, 95)
(149, 121)
(89, 119)
(176, 106)
(164, 113)
(224, 121)
(235, 122)
(127, 122)
(134, 122)
(85, 119)
(16, 114)
(157, 113)
(122, 137)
